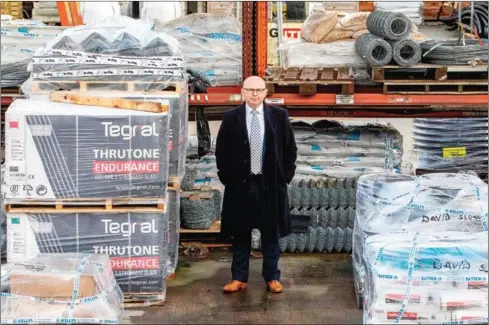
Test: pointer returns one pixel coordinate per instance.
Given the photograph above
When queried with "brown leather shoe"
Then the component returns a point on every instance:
(275, 286)
(234, 286)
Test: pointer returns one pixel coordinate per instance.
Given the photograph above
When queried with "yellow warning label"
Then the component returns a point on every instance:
(454, 152)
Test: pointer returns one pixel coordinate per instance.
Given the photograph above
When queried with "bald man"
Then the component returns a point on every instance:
(256, 154)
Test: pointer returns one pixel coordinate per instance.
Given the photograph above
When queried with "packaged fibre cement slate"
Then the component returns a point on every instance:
(137, 243)
(58, 151)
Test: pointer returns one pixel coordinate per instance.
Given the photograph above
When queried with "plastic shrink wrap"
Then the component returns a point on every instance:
(173, 229)
(20, 39)
(451, 144)
(301, 54)
(117, 54)
(86, 152)
(438, 278)
(136, 242)
(212, 46)
(393, 203)
(73, 287)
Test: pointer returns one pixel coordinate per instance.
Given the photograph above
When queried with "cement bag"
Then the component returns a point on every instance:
(95, 12)
(359, 33)
(354, 21)
(163, 11)
(319, 24)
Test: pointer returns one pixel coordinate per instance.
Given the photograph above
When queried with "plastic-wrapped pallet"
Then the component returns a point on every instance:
(49, 289)
(106, 54)
(451, 144)
(173, 229)
(328, 148)
(414, 10)
(136, 242)
(212, 46)
(20, 39)
(391, 203)
(301, 54)
(86, 152)
(438, 278)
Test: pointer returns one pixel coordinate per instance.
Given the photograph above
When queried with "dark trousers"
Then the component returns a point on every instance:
(256, 203)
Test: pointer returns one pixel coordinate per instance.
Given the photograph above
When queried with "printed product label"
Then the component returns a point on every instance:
(454, 152)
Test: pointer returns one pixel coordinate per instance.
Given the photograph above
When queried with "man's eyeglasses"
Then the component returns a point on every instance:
(252, 90)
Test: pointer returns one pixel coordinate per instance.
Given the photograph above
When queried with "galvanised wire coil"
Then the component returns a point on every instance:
(406, 52)
(373, 49)
(454, 52)
(389, 25)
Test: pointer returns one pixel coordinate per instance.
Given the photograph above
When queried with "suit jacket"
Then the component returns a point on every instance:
(234, 168)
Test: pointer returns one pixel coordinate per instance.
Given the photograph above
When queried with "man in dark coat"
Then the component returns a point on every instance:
(256, 155)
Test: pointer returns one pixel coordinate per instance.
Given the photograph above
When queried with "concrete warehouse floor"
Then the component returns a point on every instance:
(318, 289)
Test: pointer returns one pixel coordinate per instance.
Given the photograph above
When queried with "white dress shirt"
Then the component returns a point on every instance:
(261, 119)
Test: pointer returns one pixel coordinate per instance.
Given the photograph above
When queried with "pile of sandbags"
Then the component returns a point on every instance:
(211, 44)
(390, 204)
(324, 26)
(437, 278)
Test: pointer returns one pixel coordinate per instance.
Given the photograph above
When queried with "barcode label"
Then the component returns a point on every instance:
(14, 169)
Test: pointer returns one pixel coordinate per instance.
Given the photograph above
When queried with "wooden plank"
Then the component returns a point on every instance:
(435, 82)
(344, 74)
(378, 74)
(441, 73)
(215, 228)
(327, 74)
(291, 74)
(308, 89)
(309, 74)
(275, 75)
(80, 98)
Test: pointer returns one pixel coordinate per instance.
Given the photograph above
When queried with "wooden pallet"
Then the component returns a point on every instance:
(173, 183)
(82, 86)
(431, 79)
(215, 228)
(308, 79)
(143, 205)
(426, 72)
(132, 300)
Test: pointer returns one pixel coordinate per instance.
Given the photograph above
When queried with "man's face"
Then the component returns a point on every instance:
(254, 91)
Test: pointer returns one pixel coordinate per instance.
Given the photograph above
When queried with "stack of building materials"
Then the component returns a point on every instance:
(451, 145)
(62, 288)
(212, 46)
(437, 278)
(390, 204)
(115, 162)
(414, 10)
(330, 158)
(20, 39)
(46, 11)
(204, 193)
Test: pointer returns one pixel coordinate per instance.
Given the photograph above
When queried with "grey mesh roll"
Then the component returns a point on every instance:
(375, 50)
(406, 52)
(389, 25)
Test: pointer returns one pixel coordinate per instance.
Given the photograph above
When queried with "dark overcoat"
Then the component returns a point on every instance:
(234, 168)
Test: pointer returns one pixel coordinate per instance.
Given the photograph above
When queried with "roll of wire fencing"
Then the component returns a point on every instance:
(389, 25)
(454, 52)
(406, 52)
(375, 50)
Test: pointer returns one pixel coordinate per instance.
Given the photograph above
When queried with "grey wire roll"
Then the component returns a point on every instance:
(452, 52)
(301, 242)
(375, 50)
(333, 218)
(198, 214)
(324, 216)
(283, 243)
(312, 238)
(321, 240)
(217, 203)
(330, 239)
(340, 239)
(351, 217)
(389, 25)
(294, 193)
(348, 240)
(188, 180)
(292, 242)
(406, 52)
(315, 217)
